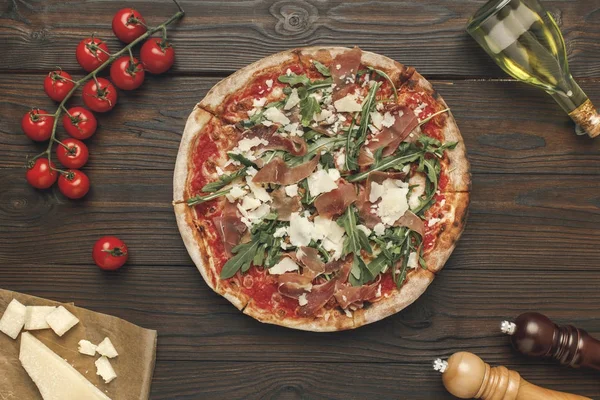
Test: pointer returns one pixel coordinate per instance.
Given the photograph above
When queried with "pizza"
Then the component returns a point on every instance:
(321, 188)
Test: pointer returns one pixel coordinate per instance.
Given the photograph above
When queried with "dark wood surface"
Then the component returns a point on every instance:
(531, 242)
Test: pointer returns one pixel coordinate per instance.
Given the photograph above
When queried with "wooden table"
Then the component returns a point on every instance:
(531, 243)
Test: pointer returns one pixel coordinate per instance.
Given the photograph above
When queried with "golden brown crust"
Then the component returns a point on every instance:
(415, 285)
(197, 234)
(329, 321)
(452, 226)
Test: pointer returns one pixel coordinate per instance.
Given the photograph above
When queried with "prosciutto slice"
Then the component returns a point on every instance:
(284, 205)
(349, 62)
(390, 138)
(348, 295)
(278, 172)
(230, 227)
(309, 257)
(321, 294)
(294, 145)
(334, 203)
(411, 221)
(293, 285)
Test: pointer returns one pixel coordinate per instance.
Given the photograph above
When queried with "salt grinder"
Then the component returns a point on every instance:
(534, 334)
(466, 376)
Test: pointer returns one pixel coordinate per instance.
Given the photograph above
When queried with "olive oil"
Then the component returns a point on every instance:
(525, 41)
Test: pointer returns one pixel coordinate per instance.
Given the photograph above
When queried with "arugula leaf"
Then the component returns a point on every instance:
(326, 144)
(357, 139)
(309, 106)
(241, 159)
(385, 76)
(193, 201)
(360, 273)
(387, 162)
(322, 69)
(224, 180)
(380, 263)
(294, 79)
(244, 254)
(356, 239)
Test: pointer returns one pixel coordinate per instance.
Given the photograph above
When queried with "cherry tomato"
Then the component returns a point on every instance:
(127, 73)
(80, 123)
(58, 84)
(74, 184)
(128, 25)
(72, 153)
(40, 174)
(37, 125)
(91, 53)
(157, 55)
(110, 253)
(101, 97)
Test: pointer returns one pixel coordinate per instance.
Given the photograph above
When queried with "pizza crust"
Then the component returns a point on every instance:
(330, 321)
(415, 285)
(453, 224)
(334, 320)
(219, 93)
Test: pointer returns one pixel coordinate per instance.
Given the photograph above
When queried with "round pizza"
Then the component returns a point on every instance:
(321, 188)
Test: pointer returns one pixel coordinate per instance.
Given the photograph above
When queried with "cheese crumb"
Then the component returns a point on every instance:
(319, 182)
(247, 144)
(302, 301)
(250, 203)
(259, 103)
(433, 221)
(106, 348)
(269, 83)
(280, 232)
(283, 266)
(413, 261)
(347, 104)
(394, 202)
(275, 115)
(105, 370)
(363, 228)
(292, 100)
(291, 190)
(331, 235)
(379, 229)
(388, 120)
(86, 347)
(301, 230)
(376, 119)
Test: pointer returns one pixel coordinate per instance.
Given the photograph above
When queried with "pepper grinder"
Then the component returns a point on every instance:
(466, 376)
(534, 334)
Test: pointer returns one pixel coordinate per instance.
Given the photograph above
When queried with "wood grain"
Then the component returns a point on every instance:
(223, 36)
(509, 213)
(530, 242)
(508, 127)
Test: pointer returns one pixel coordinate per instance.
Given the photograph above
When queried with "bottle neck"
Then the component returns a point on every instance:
(570, 96)
(575, 102)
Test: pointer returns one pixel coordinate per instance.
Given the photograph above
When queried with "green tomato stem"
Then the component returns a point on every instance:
(61, 107)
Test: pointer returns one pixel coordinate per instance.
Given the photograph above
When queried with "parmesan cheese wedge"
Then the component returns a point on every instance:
(53, 376)
(35, 317)
(13, 319)
(61, 320)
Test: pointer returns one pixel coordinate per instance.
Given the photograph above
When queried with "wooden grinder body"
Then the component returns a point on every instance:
(538, 336)
(467, 377)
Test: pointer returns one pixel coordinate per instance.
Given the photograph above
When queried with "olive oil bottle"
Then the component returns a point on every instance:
(525, 41)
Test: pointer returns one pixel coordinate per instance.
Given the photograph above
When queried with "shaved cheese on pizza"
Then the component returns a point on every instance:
(13, 319)
(283, 266)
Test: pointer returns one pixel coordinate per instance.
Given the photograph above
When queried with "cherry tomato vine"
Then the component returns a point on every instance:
(99, 94)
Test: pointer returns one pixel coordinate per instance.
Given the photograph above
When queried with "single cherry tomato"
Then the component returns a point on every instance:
(110, 253)
(58, 84)
(40, 173)
(72, 153)
(91, 53)
(127, 73)
(157, 55)
(74, 184)
(37, 125)
(128, 25)
(80, 123)
(100, 97)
